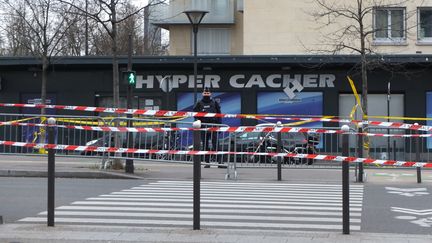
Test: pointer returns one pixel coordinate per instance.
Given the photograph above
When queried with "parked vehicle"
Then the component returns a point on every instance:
(299, 143)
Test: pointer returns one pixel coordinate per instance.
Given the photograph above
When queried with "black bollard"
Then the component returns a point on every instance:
(345, 185)
(417, 139)
(279, 159)
(419, 180)
(360, 155)
(51, 175)
(196, 177)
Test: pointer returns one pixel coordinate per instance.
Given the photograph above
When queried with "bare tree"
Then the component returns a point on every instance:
(15, 32)
(100, 43)
(38, 27)
(351, 30)
(108, 14)
(76, 39)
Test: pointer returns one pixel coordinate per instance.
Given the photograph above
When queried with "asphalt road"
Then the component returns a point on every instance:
(23, 197)
(389, 202)
(395, 203)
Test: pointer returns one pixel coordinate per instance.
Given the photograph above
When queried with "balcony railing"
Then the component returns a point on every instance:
(220, 12)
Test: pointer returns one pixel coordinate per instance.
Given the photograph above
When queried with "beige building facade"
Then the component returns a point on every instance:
(283, 27)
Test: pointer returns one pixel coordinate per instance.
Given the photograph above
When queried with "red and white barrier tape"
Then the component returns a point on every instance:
(205, 114)
(169, 129)
(186, 152)
(215, 129)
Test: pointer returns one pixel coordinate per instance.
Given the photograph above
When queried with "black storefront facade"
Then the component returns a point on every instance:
(245, 83)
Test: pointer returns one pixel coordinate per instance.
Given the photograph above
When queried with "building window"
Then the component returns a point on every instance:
(424, 32)
(213, 41)
(389, 25)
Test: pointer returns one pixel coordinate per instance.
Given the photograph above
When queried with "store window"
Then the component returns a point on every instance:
(378, 105)
(305, 103)
(389, 25)
(424, 32)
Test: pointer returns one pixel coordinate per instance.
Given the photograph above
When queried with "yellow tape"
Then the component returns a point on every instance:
(82, 121)
(356, 95)
(366, 145)
(402, 118)
(98, 123)
(303, 122)
(20, 120)
(42, 135)
(353, 110)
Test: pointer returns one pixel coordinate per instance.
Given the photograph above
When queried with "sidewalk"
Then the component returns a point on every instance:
(65, 233)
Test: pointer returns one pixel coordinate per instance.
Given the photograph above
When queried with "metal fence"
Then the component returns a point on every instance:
(34, 134)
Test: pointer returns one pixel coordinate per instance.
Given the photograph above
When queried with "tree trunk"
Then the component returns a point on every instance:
(116, 85)
(365, 103)
(42, 132)
(44, 82)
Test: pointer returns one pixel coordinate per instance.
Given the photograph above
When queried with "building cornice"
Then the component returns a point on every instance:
(221, 60)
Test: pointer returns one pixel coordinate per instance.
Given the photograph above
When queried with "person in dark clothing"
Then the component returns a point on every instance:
(207, 104)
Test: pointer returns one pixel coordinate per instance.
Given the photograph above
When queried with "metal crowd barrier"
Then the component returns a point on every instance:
(35, 134)
(379, 147)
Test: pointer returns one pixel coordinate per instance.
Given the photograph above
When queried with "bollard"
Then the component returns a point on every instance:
(196, 176)
(51, 174)
(417, 139)
(419, 175)
(360, 176)
(129, 164)
(279, 150)
(345, 183)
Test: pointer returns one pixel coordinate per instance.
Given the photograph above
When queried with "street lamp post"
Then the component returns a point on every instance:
(388, 119)
(195, 17)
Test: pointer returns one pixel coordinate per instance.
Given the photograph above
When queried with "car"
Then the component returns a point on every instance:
(299, 143)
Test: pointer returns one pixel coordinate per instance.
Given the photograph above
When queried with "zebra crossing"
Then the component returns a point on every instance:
(223, 205)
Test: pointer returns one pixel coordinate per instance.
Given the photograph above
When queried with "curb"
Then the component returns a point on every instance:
(66, 174)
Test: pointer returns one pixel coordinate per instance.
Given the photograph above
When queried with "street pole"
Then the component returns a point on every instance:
(279, 150)
(345, 182)
(196, 176)
(195, 33)
(195, 17)
(51, 174)
(129, 165)
(388, 119)
(417, 155)
(360, 153)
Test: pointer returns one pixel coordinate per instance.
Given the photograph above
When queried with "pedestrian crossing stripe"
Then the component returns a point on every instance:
(209, 196)
(266, 194)
(203, 216)
(215, 205)
(203, 210)
(223, 205)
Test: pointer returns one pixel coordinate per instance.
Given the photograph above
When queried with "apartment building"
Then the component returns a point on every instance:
(281, 27)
